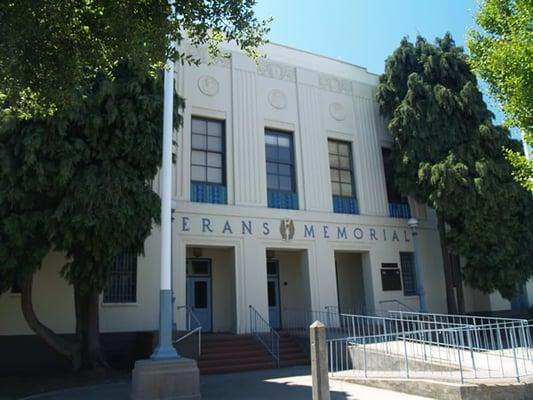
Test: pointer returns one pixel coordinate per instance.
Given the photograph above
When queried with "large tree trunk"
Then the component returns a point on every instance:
(448, 274)
(87, 329)
(62, 346)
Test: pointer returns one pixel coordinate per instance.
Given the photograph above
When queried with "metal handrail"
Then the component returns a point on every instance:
(397, 302)
(452, 346)
(190, 317)
(259, 326)
(358, 308)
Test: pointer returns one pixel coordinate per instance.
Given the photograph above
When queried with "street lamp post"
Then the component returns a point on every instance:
(413, 224)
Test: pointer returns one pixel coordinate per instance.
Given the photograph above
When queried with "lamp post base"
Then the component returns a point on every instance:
(173, 379)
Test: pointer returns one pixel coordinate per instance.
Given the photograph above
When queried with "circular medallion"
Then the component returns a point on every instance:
(208, 85)
(277, 99)
(337, 111)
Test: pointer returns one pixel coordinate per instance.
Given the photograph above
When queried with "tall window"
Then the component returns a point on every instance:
(207, 161)
(342, 177)
(281, 182)
(407, 262)
(122, 286)
(398, 205)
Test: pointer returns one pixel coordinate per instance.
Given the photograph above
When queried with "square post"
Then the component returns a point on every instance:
(319, 361)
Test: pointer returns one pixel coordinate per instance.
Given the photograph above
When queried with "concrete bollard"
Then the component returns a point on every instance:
(319, 361)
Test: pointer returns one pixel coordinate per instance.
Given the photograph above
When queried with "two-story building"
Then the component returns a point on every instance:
(284, 201)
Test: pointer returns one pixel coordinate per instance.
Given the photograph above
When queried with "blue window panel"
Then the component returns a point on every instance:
(345, 205)
(399, 210)
(281, 199)
(207, 193)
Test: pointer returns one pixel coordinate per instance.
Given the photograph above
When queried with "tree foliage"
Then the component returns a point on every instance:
(448, 154)
(502, 55)
(49, 47)
(79, 182)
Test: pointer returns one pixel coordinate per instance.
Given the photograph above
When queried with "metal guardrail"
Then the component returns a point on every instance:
(399, 304)
(428, 345)
(191, 320)
(265, 334)
(357, 309)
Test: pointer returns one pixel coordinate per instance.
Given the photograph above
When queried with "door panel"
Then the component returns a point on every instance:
(199, 300)
(273, 302)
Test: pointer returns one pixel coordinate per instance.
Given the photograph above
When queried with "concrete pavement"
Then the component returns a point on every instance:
(278, 384)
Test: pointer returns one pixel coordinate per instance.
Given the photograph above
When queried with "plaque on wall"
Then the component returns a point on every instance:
(390, 277)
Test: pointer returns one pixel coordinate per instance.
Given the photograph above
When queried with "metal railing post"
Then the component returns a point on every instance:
(364, 359)
(406, 358)
(469, 340)
(513, 345)
(460, 362)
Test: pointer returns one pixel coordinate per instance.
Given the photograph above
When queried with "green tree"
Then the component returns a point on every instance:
(50, 47)
(502, 55)
(79, 182)
(447, 154)
(80, 134)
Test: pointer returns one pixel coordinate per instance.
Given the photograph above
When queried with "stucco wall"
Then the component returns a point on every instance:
(350, 281)
(293, 281)
(53, 301)
(475, 300)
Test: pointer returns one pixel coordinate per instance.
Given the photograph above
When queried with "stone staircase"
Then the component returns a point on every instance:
(223, 353)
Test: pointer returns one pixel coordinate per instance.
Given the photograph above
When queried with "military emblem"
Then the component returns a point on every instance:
(286, 228)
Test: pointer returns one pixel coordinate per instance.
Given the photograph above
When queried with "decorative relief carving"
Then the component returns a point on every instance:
(276, 71)
(277, 99)
(202, 54)
(208, 85)
(286, 228)
(337, 111)
(336, 85)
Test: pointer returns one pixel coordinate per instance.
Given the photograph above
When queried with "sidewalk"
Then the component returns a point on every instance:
(278, 384)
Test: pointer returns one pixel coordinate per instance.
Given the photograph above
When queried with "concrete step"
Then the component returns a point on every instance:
(235, 361)
(236, 368)
(230, 353)
(221, 349)
(224, 355)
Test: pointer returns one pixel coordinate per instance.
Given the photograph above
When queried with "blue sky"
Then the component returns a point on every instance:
(365, 32)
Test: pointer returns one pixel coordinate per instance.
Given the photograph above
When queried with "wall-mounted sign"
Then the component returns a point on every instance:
(288, 229)
(390, 277)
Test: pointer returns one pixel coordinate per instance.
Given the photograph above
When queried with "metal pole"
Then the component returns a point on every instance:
(174, 325)
(413, 223)
(165, 349)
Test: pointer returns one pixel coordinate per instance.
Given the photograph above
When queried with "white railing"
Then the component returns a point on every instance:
(192, 326)
(265, 334)
(428, 345)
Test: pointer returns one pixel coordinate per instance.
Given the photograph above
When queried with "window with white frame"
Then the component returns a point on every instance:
(207, 151)
(340, 168)
(280, 161)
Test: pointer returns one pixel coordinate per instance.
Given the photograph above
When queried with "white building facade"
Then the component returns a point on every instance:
(283, 201)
